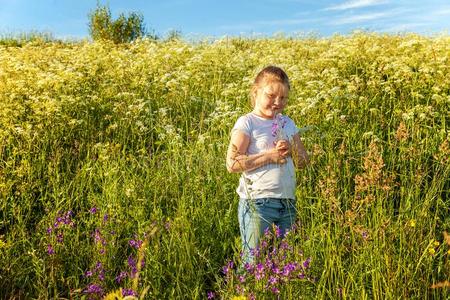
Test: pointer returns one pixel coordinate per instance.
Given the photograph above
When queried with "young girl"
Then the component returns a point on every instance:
(264, 146)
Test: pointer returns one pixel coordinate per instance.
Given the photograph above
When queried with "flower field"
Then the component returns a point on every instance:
(113, 180)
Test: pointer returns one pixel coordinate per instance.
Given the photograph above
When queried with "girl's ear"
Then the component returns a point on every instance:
(254, 92)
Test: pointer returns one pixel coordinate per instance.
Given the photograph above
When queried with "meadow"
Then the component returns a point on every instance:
(113, 180)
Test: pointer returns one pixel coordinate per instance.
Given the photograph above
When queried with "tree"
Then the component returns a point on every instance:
(122, 30)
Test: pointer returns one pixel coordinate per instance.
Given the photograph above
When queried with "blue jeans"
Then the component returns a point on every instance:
(255, 215)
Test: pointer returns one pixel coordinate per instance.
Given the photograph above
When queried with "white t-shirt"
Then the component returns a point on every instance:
(270, 180)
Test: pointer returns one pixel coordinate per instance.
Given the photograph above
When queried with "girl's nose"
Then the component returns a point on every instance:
(278, 101)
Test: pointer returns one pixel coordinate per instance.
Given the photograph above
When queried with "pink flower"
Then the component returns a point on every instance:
(50, 250)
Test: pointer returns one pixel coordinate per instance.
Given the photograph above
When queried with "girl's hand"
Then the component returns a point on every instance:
(284, 148)
(275, 156)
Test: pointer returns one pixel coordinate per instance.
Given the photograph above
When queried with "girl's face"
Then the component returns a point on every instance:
(270, 99)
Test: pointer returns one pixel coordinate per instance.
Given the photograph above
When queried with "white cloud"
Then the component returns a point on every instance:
(403, 27)
(361, 18)
(279, 22)
(443, 11)
(356, 4)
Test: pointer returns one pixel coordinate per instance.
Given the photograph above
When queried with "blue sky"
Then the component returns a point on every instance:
(203, 18)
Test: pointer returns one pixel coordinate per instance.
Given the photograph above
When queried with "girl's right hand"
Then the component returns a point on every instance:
(276, 157)
(283, 147)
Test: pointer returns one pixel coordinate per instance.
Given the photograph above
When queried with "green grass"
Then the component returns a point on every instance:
(140, 131)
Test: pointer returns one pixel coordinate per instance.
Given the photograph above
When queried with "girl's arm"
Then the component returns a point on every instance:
(299, 155)
(239, 161)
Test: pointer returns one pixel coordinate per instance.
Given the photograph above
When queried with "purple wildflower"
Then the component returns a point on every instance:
(66, 220)
(60, 237)
(167, 225)
(288, 269)
(263, 244)
(274, 252)
(228, 267)
(278, 123)
(365, 235)
(248, 267)
(128, 292)
(260, 267)
(259, 272)
(98, 237)
(121, 276)
(135, 243)
(131, 261)
(88, 274)
(269, 264)
(132, 265)
(211, 295)
(255, 252)
(49, 230)
(273, 280)
(94, 289)
(276, 270)
(98, 266)
(306, 263)
(239, 289)
(275, 290)
(50, 250)
(277, 231)
(105, 217)
(284, 245)
(101, 275)
(274, 129)
(93, 210)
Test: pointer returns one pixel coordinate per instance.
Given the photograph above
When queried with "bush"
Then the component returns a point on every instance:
(122, 30)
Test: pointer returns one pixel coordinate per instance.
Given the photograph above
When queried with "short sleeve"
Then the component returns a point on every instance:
(292, 129)
(243, 125)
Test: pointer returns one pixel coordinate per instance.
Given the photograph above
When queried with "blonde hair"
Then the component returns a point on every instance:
(267, 75)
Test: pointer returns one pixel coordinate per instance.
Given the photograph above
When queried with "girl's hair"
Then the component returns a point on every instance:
(267, 75)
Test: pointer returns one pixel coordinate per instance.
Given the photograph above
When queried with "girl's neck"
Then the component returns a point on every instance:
(258, 114)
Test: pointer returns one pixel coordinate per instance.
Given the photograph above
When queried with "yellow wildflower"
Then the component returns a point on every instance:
(239, 298)
(412, 223)
(436, 243)
(431, 251)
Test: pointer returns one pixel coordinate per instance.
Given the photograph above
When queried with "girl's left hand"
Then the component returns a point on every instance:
(283, 147)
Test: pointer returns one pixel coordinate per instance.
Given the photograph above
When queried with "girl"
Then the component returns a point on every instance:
(264, 146)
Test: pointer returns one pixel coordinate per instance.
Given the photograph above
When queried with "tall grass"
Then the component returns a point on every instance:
(17, 39)
(130, 138)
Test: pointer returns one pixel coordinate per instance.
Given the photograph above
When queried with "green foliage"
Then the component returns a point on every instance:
(173, 35)
(19, 38)
(122, 30)
(140, 133)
